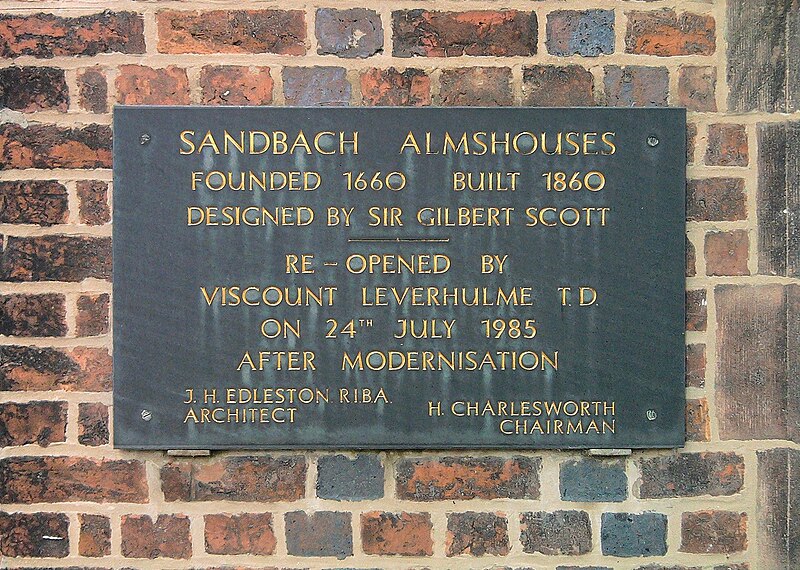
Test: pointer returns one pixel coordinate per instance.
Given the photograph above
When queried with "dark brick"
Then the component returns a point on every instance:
(698, 422)
(33, 315)
(93, 90)
(636, 86)
(557, 86)
(40, 202)
(167, 537)
(587, 32)
(462, 478)
(47, 35)
(778, 508)
(29, 89)
(390, 87)
(476, 86)
(742, 566)
(779, 199)
(583, 568)
(727, 145)
(715, 200)
(343, 479)
(667, 567)
(319, 534)
(758, 342)
(476, 534)
(95, 535)
(557, 533)
(141, 85)
(665, 33)
(629, 535)
(67, 479)
(713, 532)
(22, 534)
(316, 86)
(92, 423)
(727, 252)
(351, 33)
(32, 422)
(240, 534)
(236, 85)
(94, 209)
(691, 142)
(696, 365)
(239, 478)
(691, 261)
(78, 370)
(232, 31)
(697, 88)
(51, 146)
(696, 310)
(593, 480)
(446, 34)
(402, 534)
(56, 258)
(763, 56)
(691, 475)
(92, 318)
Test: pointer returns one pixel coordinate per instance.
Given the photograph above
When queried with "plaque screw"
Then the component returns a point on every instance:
(144, 139)
(651, 415)
(652, 140)
(147, 415)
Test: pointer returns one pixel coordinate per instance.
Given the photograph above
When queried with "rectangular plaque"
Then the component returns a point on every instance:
(398, 278)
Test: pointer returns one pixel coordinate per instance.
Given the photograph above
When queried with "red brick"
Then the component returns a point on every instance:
(242, 478)
(240, 534)
(68, 479)
(82, 369)
(715, 200)
(390, 87)
(402, 534)
(477, 534)
(140, 85)
(51, 146)
(40, 202)
(92, 423)
(93, 90)
(713, 532)
(30, 89)
(636, 86)
(696, 310)
(32, 422)
(95, 535)
(167, 537)
(690, 475)
(232, 31)
(33, 315)
(691, 270)
(461, 478)
(665, 33)
(476, 86)
(47, 35)
(726, 253)
(727, 145)
(691, 142)
(94, 209)
(697, 88)
(696, 365)
(56, 258)
(92, 318)
(22, 534)
(446, 34)
(698, 423)
(557, 86)
(236, 85)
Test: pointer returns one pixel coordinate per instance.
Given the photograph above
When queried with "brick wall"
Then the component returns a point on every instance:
(729, 500)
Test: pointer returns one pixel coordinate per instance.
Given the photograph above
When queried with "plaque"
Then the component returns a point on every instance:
(398, 278)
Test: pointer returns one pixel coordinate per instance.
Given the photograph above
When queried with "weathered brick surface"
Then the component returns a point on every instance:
(82, 369)
(40, 202)
(94, 209)
(391, 87)
(51, 146)
(56, 258)
(92, 317)
(477, 534)
(350, 33)
(232, 31)
(727, 145)
(93, 90)
(697, 88)
(713, 532)
(166, 537)
(778, 508)
(401, 534)
(447, 34)
(727, 252)
(66, 479)
(316, 86)
(476, 86)
(239, 534)
(593, 480)
(691, 259)
(666, 33)
(696, 310)
(632, 535)
(95, 535)
(691, 142)
(698, 422)
(587, 32)
(343, 479)
(557, 86)
(696, 365)
(141, 85)
(557, 533)
(690, 475)
(93, 424)
(636, 86)
(321, 533)
(242, 478)
(32, 422)
(460, 478)
(29, 89)
(236, 85)
(47, 35)
(715, 199)
(33, 315)
(22, 535)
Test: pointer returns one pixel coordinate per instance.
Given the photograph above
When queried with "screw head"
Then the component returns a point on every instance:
(651, 415)
(147, 415)
(652, 140)
(144, 139)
